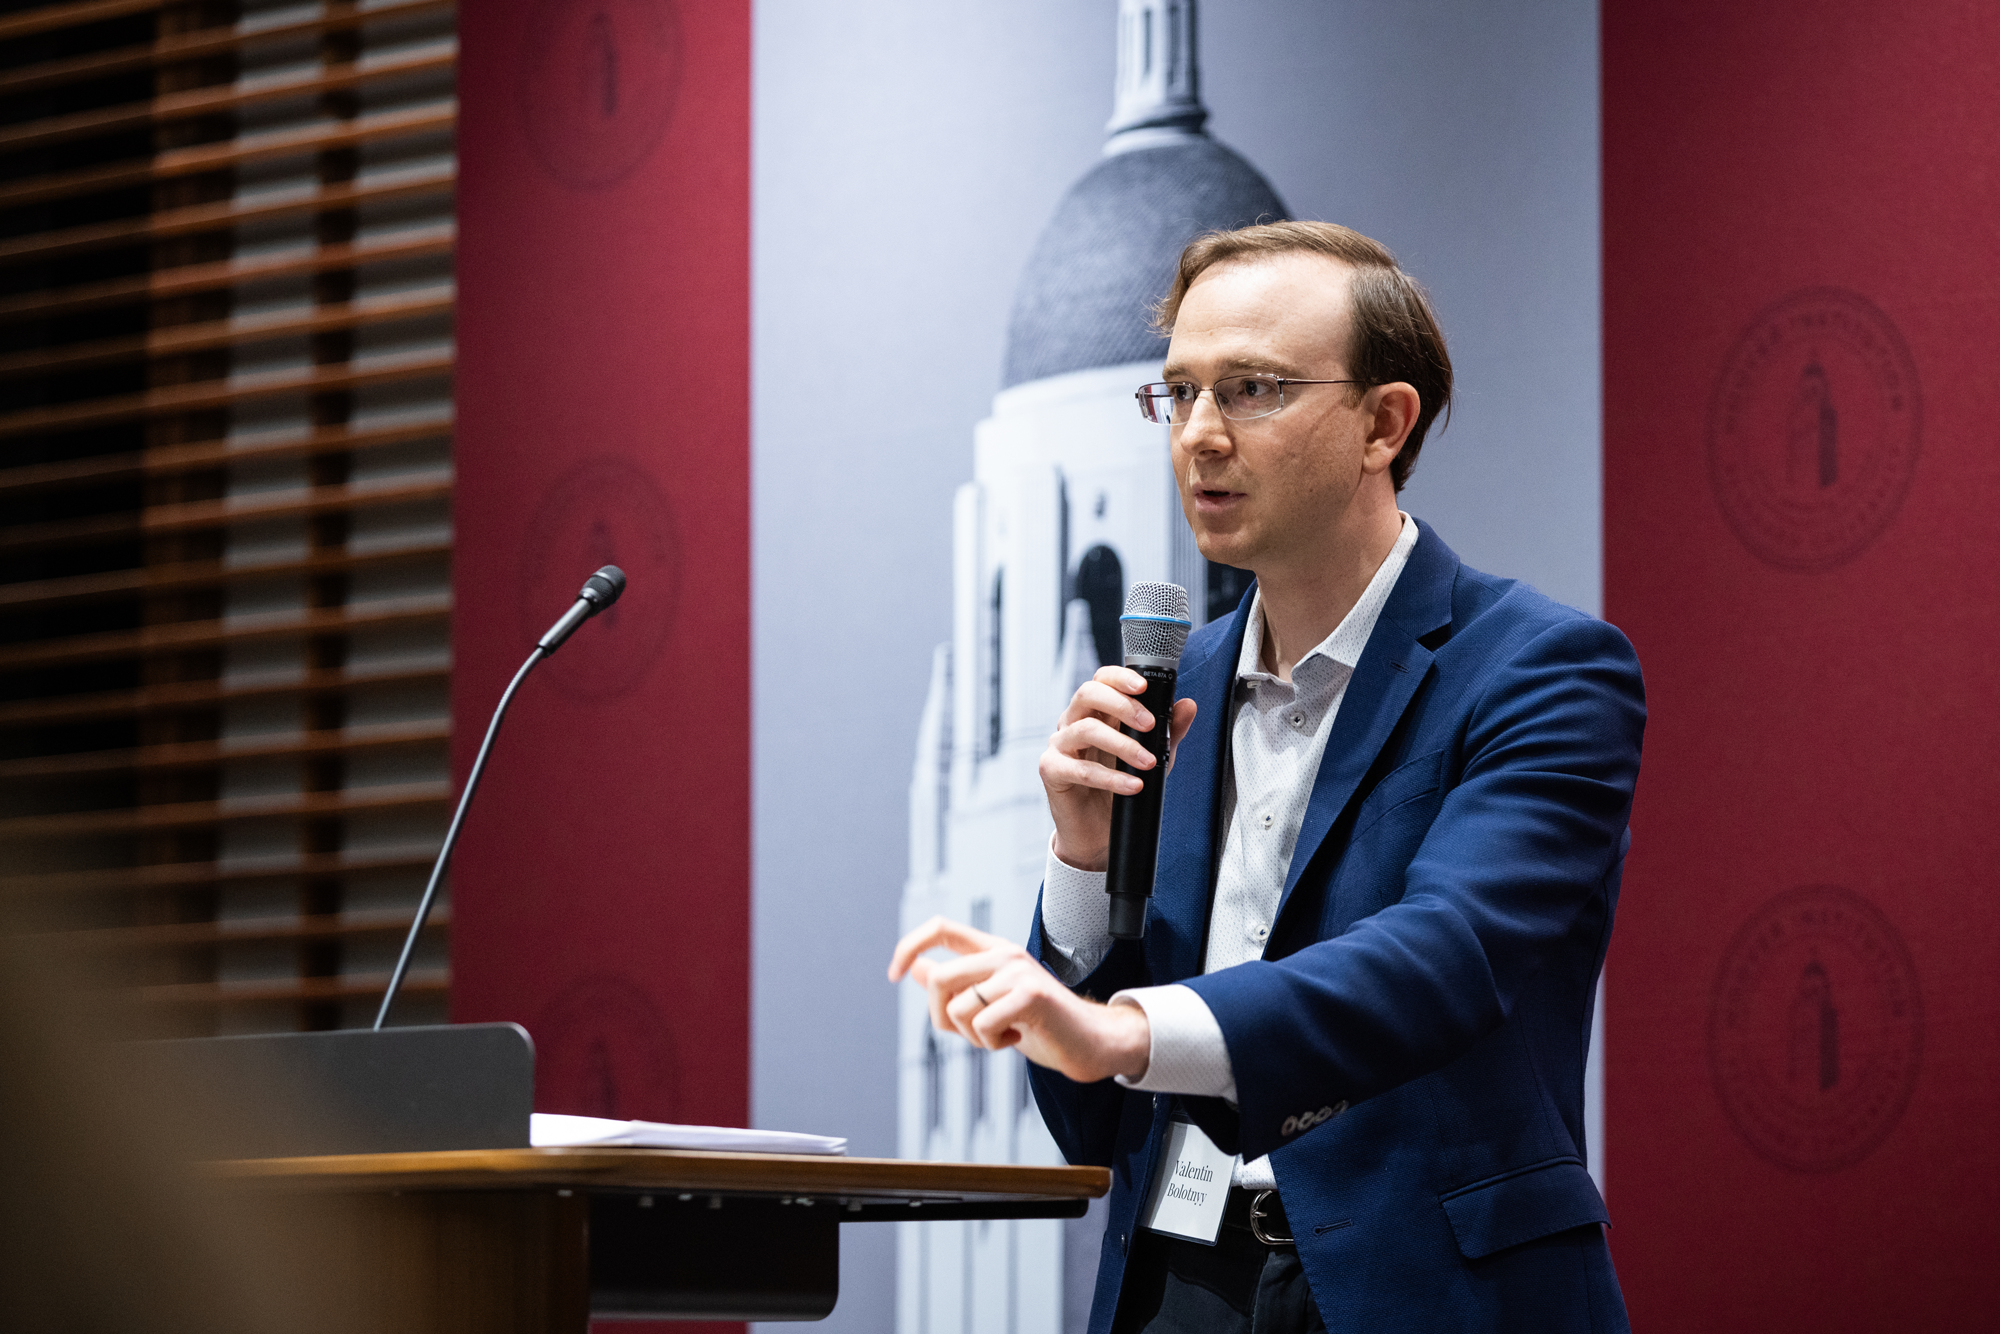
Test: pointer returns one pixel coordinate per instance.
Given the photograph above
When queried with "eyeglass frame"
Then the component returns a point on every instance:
(1281, 381)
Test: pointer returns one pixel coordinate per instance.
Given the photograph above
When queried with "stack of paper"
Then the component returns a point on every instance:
(549, 1131)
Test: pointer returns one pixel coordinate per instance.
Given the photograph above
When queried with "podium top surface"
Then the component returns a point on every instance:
(610, 1168)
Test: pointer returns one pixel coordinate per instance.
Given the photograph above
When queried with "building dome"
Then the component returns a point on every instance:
(1086, 297)
(1087, 294)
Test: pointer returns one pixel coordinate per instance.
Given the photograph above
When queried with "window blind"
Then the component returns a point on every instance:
(226, 294)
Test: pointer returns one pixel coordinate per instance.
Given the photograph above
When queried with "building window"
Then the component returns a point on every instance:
(1100, 582)
(1063, 592)
(933, 1085)
(993, 647)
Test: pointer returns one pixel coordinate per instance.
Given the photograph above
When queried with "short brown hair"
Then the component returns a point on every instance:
(1396, 333)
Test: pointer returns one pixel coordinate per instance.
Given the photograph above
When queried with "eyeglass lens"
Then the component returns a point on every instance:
(1239, 397)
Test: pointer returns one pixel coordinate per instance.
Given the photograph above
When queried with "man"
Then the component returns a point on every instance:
(1393, 833)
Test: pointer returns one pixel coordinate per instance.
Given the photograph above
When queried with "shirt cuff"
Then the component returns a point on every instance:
(1188, 1053)
(1076, 918)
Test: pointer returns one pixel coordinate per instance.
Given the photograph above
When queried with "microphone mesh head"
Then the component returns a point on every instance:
(1155, 623)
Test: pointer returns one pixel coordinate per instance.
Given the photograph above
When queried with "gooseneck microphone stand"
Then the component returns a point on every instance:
(599, 591)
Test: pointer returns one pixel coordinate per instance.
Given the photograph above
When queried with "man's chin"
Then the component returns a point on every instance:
(1225, 548)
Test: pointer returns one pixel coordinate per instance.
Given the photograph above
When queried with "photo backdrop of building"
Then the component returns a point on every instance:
(1072, 498)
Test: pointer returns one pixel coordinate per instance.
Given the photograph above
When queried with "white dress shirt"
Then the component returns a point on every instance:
(1277, 740)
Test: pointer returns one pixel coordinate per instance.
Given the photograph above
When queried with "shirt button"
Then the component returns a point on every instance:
(1266, 822)
(1298, 719)
(1260, 933)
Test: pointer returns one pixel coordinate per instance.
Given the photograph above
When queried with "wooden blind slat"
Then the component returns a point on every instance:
(220, 217)
(185, 695)
(212, 514)
(195, 754)
(203, 43)
(196, 279)
(352, 986)
(231, 153)
(135, 819)
(215, 101)
(171, 459)
(49, 18)
(201, 935)
(170, 877)
(189, 636)
(80, 588)
(205, 394)
(181, 339)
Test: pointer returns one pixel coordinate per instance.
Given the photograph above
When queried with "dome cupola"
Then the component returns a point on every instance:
(1086, 296)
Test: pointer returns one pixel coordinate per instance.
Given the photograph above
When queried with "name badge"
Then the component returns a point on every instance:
(1190, 1187)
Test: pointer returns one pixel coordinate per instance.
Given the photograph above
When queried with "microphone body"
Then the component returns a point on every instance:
(599, 591)
(1155, 629)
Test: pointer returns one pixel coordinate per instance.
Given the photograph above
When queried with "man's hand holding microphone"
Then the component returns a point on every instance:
(996, 995)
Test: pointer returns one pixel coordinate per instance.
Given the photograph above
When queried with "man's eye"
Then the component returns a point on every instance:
(1256, 389)
(1185, 393)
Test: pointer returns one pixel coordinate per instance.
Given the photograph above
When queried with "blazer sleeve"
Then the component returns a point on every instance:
(1084, 1118)
(1519, 846)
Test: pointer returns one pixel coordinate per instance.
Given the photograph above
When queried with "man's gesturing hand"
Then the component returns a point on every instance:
(1079, 768)
(995, 995)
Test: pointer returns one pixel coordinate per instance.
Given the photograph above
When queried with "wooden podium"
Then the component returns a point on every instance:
(536, 1241)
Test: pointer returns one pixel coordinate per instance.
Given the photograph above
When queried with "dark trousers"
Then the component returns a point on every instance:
(1237, 1286)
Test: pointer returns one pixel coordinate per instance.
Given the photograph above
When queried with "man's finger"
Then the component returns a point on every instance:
(942, 992)
(1094, 697)
(1120, 678)
(939, 932)
(1177, 727)
(998, 1026)
(1018, 987)
(1060, 771)
(948, 982)
(964, 1009)
(954, 975)
(1088, 734)
(975, 988)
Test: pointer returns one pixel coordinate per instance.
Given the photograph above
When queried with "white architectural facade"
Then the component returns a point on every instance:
(1064, 469)
(1072, 498)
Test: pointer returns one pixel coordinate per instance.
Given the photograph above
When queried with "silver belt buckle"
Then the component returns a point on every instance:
(1257, 1217)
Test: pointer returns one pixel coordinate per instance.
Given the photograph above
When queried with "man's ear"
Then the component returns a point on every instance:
(1392, 414)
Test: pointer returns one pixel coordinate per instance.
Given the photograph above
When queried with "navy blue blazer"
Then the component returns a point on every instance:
(1410, 1049)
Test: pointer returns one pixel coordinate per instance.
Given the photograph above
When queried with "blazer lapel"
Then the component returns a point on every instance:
(1178, 934)
(1391, 668)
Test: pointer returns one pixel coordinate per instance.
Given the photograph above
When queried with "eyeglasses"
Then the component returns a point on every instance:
(1238, 397)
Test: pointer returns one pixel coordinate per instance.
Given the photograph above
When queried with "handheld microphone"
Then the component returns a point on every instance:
(1155, 629)
(599, 591)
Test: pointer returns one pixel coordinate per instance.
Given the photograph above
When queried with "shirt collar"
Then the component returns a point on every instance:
(1344, 646)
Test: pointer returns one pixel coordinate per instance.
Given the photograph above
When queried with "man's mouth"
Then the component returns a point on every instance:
(1214, 497)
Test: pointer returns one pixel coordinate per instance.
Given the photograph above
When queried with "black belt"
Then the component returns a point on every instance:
(1260, 1213)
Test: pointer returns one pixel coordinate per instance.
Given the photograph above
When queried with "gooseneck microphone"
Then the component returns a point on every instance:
(1155, 630)
(599, 591)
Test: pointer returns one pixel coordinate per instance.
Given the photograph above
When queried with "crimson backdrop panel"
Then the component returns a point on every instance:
(1802, 219)
(600, 894)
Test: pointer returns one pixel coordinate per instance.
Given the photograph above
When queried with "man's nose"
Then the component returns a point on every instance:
(1205, 431)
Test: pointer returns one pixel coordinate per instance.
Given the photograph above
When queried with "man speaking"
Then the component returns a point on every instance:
(1390, 851)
